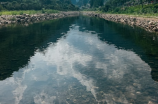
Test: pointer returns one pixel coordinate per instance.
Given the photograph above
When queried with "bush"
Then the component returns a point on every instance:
(155, 10)
(144, 10)
(1, 8)
(14, 13)
(21, 13)
(117, 9)
(150, 9)
(156, 6)
(43, 10)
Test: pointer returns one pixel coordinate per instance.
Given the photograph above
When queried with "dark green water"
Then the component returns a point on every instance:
(78, 60)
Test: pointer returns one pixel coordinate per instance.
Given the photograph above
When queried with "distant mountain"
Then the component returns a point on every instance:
(92, 3)
(74, 1)
(82, 2)
(96, 3)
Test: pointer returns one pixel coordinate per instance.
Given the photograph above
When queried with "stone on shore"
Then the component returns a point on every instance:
(145, 23)
(27, 19)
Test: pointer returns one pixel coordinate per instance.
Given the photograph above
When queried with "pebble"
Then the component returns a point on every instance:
(138, 92)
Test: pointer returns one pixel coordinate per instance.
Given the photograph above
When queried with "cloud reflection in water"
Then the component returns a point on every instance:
(78, 66)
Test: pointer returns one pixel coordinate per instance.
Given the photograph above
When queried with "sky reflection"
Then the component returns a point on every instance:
(80, 68)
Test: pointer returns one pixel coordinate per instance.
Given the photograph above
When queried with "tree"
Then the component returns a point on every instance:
(36, 4)
(141, 2)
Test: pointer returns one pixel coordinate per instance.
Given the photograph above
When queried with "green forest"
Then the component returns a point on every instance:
(122, 6)
(109, 6)
(36, 5)
(131, 6)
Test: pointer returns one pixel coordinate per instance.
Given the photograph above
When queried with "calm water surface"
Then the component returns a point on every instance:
(78, 60)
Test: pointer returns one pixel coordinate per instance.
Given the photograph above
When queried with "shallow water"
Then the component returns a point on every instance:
(78, 60)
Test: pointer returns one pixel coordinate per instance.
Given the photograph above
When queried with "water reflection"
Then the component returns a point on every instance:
(143, 43)
(18, 43)
(81, 69)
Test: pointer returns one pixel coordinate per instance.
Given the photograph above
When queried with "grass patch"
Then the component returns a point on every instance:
(131, 14)
(20, 12)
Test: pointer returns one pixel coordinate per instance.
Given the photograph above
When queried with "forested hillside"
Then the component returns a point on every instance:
(82, 2)
(121, 6)
(114, 3)
(113, 6)
(73, 2)
(96, 3)
(36, 4)
(131, 6)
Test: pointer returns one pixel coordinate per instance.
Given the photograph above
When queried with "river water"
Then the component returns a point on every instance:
(78, 60)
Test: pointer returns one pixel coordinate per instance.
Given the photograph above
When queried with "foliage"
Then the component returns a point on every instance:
(142, 7)
(36, 5)
(82, 2)
(96, 3)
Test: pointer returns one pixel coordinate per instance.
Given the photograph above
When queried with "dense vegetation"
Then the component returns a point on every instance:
(36, 5)
(96, 3)
(110, 6)
(138, 9)
(122, 6)
(82, 2)
(131, 6)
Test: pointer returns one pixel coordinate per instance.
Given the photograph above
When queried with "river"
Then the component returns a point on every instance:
(78, 60)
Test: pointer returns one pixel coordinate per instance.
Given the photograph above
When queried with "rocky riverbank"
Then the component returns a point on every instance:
(27, 19)
(149, 24)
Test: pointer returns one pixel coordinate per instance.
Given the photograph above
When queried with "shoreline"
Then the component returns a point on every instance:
(149, 24)
(33, 18)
